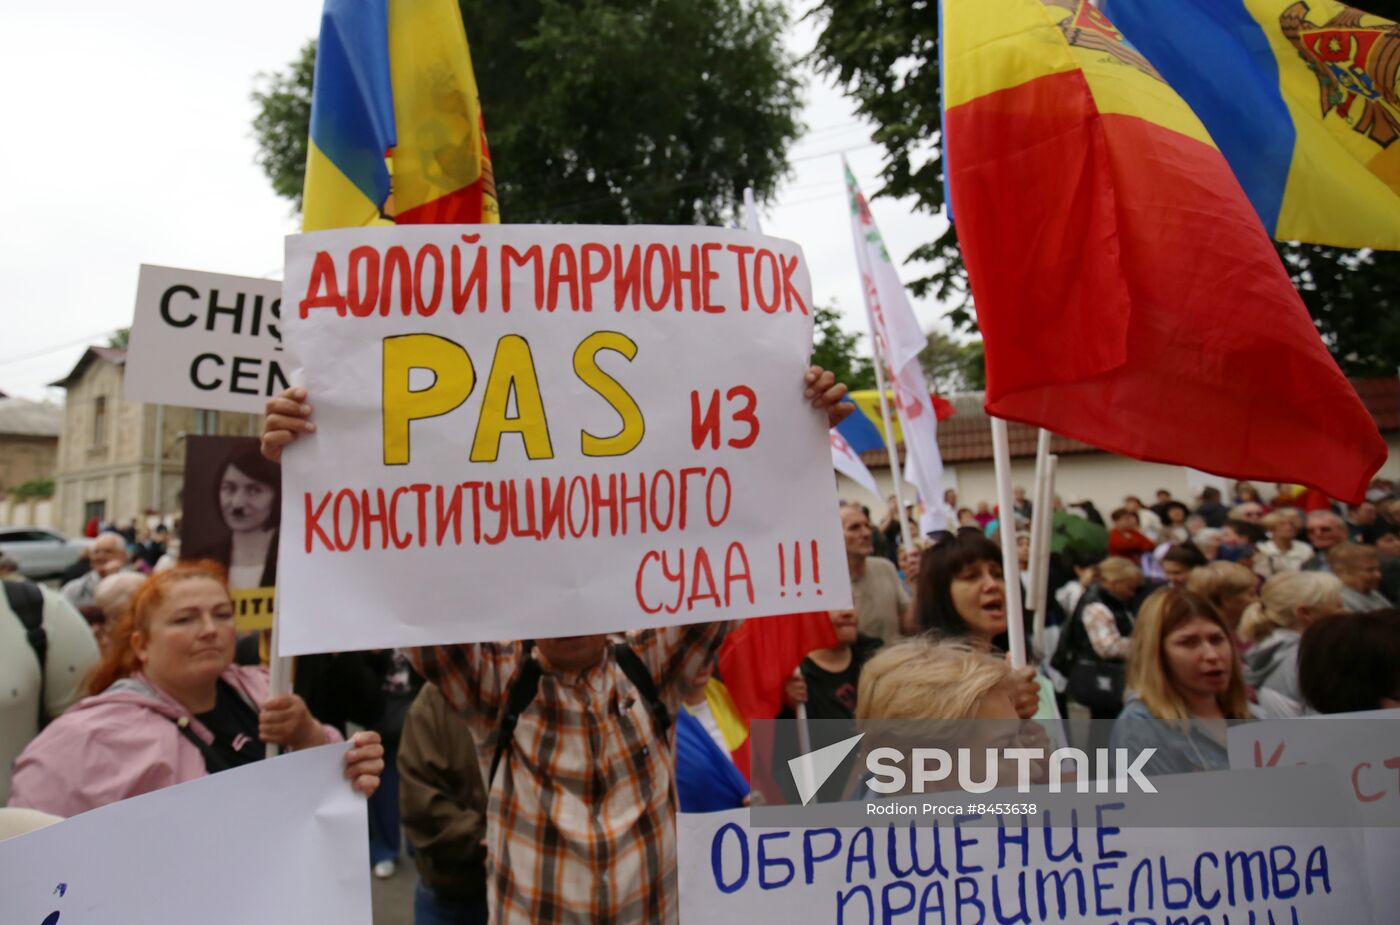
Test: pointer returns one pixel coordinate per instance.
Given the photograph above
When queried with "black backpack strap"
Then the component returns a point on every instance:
(523, 688)
(631, 664)
(27, 601)
(213, 761)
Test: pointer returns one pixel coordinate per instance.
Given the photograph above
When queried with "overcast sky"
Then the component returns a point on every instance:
(130, 142)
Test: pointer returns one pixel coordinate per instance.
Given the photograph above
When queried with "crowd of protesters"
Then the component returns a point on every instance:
(538, 780)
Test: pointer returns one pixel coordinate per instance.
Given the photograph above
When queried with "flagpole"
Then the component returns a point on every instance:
(279, 673)
(1042, 594)
(804, 742)
(1006, 518)
(1039, 558)
(891, 447)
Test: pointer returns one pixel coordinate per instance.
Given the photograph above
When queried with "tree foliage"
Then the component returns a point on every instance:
(951, 366)
(884, 54)
(838, 351)
(606, 111)
(283, 123)
(121, 337)
(34, 488)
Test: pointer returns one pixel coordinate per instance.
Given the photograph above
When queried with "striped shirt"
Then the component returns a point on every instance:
(581, 819)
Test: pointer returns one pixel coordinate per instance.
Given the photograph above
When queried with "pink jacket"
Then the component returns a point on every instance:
(118, 744)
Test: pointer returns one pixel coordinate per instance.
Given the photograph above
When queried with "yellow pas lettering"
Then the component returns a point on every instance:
(512, 374)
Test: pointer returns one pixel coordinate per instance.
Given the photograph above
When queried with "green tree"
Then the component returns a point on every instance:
(838, 351)
(121, 337)
(884, 54)
(34, 488)
(951, 366)
(603, 111)
(283, 123)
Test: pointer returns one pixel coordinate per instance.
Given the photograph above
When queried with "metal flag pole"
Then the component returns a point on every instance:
(279, 674)
(891, 447)
(1039, 558)
(1006, 520)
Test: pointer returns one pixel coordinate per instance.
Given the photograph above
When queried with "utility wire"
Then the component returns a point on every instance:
(57, 347)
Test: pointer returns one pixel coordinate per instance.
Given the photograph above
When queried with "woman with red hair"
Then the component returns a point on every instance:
(169, 705)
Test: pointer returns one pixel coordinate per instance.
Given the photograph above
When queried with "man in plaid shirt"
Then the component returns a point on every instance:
(581, 819)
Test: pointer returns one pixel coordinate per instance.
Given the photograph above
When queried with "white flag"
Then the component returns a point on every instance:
(900, 339)
(846, 462)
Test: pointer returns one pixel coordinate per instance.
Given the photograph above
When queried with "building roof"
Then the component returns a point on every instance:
(115, 355)
(20, 417)
(967, 435)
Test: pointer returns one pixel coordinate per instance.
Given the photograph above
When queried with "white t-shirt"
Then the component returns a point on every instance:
(72, 653)
(706, 716)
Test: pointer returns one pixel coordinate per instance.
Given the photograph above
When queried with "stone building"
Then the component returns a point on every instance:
(120, 460)
(28, 441)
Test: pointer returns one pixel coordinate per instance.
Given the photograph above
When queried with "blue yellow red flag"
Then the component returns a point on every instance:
(1301, 98)
(1128, 294)
(397, 134)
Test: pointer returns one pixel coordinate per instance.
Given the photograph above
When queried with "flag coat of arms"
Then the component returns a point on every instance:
(1126, 290)
(1302, 99)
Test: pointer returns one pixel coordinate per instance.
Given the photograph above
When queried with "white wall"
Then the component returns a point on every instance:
(1101, 477)
(33, 512)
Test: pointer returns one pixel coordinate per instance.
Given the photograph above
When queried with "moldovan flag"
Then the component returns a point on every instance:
(1127, 293)
(759, 656)
(1300, 97)
(396, 127)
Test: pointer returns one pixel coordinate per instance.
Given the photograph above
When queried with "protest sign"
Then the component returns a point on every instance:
(542, 431)
(1094, 870)
(232, 511)
(1364, 749)
(205, 340)
(275, 841)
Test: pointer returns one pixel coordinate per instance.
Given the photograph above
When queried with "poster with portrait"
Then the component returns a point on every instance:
(232, 511)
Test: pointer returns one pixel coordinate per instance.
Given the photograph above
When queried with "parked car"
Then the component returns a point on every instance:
(41, 553)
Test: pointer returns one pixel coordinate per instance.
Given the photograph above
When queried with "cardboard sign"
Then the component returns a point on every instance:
(1100, 871)
(231, 514)
(549, 431)
(1364, 749)
(205, 340)
(283, 840)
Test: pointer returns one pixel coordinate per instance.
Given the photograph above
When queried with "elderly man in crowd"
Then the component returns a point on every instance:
(577, 732)
(882, 603)
(107, 556)
(1325, 530)
(112, 597)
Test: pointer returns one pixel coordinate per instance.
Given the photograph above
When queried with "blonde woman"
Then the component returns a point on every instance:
(1184, 685)
(924, 679)
(1228, 586)
(1095, 640)
(954, 695)
(1359, 568)
(1282, 551)
(1288, 604)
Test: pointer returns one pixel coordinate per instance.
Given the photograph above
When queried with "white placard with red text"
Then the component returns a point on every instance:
(543, 431)
(1365, 750)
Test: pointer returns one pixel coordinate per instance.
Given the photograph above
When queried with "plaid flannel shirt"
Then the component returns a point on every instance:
(581, 818)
